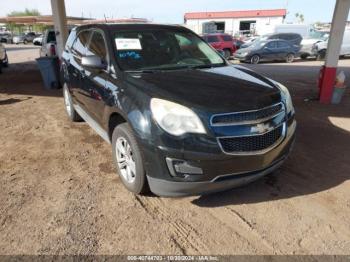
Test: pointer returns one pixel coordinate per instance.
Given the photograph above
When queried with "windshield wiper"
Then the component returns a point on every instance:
(206, 66)
(147, 71)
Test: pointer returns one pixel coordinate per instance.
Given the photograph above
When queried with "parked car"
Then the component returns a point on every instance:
(221, 42)
(3, 57)
(268, 50)
(24, 38)
(48, 44)
(320, 48)
(6, 38)
(38, 40)
(308, 44)
(293, 38)
(238, 43)
(180, 118)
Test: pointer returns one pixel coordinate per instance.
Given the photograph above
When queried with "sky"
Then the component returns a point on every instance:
(172, 11)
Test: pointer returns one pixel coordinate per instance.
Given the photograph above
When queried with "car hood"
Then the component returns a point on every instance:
(220, 89)
(245, 50)
(310, 41)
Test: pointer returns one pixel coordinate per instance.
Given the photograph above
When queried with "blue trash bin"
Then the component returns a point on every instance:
(49, 70)
(338, 95)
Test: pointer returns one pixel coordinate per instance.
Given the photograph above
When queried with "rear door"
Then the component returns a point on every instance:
(283, 49)
(94, 81)
(76, 71)
(270, 51)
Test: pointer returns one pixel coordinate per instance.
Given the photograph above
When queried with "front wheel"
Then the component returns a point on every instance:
(255, 59)
(227, 53)
(25, 41)
(290, 58)
(128, 159)
(321, 55)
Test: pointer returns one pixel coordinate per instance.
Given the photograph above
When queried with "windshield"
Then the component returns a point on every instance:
(319, 35)
(138, 50)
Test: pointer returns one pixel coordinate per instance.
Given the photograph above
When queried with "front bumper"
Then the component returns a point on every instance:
(220, 171)
(179, 189)
(240, 57)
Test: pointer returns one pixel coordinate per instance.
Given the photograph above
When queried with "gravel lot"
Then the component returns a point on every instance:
(59, 193)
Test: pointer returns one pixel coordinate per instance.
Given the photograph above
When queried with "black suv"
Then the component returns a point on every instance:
(180, 118)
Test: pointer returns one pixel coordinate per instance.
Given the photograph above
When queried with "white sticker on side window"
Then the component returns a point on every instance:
(128, 44)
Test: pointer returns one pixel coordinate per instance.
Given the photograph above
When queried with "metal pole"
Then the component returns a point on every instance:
(340, 16)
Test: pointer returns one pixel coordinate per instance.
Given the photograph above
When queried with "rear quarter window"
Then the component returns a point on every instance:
(71, 39)
(212, 39)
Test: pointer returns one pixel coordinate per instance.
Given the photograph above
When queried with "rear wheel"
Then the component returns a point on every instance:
(68, 102)
(290, 58)
(304, 56)
(25, 41)
(227, 53)
(255, 59)
(128, 159)
(6, 63)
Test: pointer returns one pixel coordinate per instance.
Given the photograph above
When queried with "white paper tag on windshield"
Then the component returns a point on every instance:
(128, 43)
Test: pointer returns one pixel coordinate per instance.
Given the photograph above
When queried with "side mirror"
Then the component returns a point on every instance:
(93, 62)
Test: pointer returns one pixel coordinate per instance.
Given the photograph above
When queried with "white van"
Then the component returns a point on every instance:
(303, 30)
(319, 49)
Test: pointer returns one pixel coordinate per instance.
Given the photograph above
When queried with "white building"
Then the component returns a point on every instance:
(235, 22)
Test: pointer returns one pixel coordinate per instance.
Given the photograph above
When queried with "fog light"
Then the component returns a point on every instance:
(181, 168)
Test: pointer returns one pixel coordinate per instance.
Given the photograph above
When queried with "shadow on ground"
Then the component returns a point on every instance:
(320, 159)
(24, 79)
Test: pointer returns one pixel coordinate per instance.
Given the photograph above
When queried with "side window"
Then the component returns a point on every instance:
(97, 46)
(227, 38)
(79, 46)
(70, 39)
(51, 36)
(213, 39)
(271, 45)
(281, 44)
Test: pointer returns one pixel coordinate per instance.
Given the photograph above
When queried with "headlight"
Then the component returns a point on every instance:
(287, 98)
(175, 119)
(244, 54)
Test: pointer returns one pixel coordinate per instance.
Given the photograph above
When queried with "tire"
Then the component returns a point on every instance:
(6, 64)
(25, 41)
(68, 102)
(128, 160)
(227, 53)
(321, 55)
(255, 59)
(304, 56)
(1, 68)
(290, 58)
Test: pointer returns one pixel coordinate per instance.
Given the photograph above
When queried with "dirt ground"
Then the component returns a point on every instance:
(59, 193)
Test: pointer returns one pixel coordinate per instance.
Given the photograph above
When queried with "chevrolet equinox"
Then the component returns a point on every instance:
(181, 120)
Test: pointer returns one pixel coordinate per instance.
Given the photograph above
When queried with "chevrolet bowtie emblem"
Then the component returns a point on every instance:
(261, 128)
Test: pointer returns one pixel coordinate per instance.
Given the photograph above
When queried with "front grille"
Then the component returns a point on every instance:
(248, 116)
(254, 143)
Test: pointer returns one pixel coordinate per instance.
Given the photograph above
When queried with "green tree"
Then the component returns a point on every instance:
(16, 28)
(300, 17)
(26, 12)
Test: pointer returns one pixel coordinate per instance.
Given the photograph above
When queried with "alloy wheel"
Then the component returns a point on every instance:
(255, 59)
(125, 160)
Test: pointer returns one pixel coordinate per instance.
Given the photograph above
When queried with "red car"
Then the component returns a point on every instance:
(223, 42)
